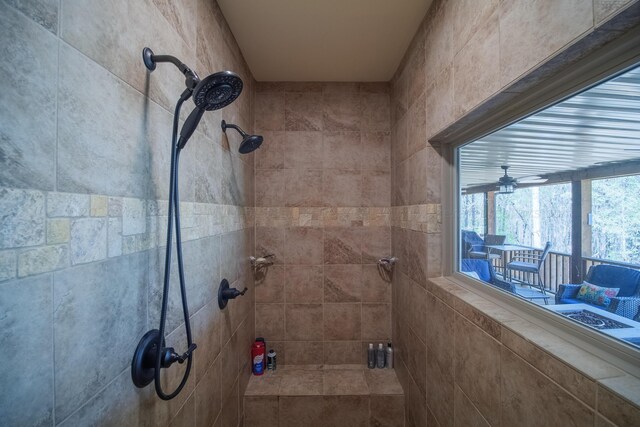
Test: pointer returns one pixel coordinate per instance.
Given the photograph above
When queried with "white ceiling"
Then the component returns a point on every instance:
(595, 127)
(323, 40)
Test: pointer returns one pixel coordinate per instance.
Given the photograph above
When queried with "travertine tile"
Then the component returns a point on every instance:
(343, 283)
(270, 321)
(270, 185)
(376, 322)
(524, 42)
(341, 110)
(301, 383)
(387, 411)
(465, 413)
(269, 111)
(304, 245)
(341, 150)
(342, 353)
(477, 368)
(303, 322)
(303, 111)
(375, 111)
(208, 395)
(270, 241)
(530, 397)
(303, 187)
(382, 382)
(303, 150)
(269, 285)
(27, 310)
(28, 145)
(374, 287)
(116, 286)
(264, 385)
(342, 188)
(619, 407)
(376, 151)
(304, 352)
(476, 67)
(271, 154)
(344, 382)
(346, 411)
(261, 411)
(342, 245)
(301, 411)
(564, 375)
(304, 284)
(342, 322)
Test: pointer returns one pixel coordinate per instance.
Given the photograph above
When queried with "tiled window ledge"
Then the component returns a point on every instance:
(607, 389)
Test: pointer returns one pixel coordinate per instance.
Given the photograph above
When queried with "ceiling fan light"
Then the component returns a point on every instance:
(506, 188)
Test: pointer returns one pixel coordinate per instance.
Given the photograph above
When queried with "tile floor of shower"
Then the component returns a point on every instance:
(324, 395)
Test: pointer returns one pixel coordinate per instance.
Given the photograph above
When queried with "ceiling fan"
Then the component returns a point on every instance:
(508, 184)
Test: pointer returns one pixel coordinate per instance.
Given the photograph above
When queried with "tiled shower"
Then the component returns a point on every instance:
(346, 175)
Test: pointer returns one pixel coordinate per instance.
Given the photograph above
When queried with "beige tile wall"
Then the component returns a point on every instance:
(323, 196)
(457, 364)
(83, 190)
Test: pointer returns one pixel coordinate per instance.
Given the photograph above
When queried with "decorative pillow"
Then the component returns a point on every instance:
(596, 295)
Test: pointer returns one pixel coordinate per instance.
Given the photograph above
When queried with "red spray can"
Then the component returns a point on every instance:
(257, 357)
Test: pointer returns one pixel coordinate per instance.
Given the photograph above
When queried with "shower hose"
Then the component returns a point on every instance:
(174, 218)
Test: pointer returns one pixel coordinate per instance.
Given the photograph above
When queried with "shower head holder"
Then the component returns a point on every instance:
(150, 60)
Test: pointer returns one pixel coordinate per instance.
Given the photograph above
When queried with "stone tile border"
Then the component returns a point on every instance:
(322, 216)
(426, 218)
(44, 231)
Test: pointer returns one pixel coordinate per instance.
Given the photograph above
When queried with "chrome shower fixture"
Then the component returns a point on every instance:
(387, 263)
(249, 142)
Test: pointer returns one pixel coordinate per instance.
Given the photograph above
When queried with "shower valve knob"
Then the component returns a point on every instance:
(225, 293)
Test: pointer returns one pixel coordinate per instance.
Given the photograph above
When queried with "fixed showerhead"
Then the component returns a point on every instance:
(249, 142)
(217, 90)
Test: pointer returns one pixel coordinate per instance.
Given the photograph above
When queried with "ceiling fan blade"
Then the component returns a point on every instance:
(533, 181)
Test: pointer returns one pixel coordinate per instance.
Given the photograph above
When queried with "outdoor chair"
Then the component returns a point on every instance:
(471, 242)
(485, 252)
(486, 273)
(529, 263)
(627, 301)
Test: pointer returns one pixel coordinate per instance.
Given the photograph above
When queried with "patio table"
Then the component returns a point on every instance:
(506, 249)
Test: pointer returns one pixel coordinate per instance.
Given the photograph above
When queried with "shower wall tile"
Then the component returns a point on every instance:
(87, 300)
(337, 182)
(27, 307)
(303, 111)
(524, 43)
(117, 164)
(27, 156)
(103, 33)
(303, 284)
(103, 133)
(341, 110)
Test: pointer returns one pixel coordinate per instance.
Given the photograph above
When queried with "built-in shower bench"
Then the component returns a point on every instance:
(330, 395)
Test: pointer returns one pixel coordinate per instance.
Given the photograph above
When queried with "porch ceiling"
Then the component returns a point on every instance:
(596, 127)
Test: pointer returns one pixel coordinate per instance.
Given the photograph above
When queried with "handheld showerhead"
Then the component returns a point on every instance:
(249, 142)
(217, 90)
(212, 93)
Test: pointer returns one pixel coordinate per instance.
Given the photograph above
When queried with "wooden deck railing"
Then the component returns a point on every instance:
(556, 269)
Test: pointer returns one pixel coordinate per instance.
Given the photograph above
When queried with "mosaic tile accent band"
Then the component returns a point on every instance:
(322, 216)
(426, 218)
(48, 231)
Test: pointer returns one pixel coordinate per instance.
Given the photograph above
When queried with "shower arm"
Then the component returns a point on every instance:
(226, 126)
(150, 61)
